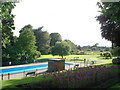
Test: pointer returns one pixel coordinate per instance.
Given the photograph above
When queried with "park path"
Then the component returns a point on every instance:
(101, 61)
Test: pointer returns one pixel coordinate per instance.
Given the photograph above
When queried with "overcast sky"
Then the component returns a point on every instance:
(73, 19)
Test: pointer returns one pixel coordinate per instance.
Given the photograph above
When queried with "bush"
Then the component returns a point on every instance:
(106, 54)
(116, 61)
(81, 53)
(116, 51)
(36, 54)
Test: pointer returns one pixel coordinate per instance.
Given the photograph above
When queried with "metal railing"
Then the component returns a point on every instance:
(10, 63)
(21, 74)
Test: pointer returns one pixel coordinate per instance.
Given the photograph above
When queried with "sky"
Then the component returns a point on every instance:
(73, 19)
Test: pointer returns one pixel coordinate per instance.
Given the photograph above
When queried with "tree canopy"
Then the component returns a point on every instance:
(61, 49)
(42, 40)
(7, 23)
(29, 26)
(73, 47)
(7, 27)
(112, 9)
(110, 21)
(26, 45)
(55, 37)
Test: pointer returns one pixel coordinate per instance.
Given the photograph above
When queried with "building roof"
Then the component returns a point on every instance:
(56, 59)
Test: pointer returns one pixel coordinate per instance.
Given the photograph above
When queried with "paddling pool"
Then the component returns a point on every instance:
(25, 69)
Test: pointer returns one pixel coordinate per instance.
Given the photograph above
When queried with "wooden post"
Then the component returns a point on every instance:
(2, 76)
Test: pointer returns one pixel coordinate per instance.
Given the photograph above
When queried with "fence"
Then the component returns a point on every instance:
(22, 74)
(22, 62)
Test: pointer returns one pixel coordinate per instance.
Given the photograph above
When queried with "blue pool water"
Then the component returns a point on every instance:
(24, 69)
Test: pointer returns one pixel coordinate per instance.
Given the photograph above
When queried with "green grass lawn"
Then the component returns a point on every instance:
(13, 82)
(94, 55)
(70, 58)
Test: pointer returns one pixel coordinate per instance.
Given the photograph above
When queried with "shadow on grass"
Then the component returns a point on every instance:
(115, 86)
(12, 83)
(103, 58)
(109, 83)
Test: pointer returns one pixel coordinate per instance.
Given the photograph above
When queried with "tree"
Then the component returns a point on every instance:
(26, 45)
(73, 47)
(113, 9)
(95, 47)
(116, 51)
(43, 40)
(79, 47)
(55, 37)
(7, 26)
(61, 49)
(110, 21)
(11, 54)
(7, 23)
(29, 26)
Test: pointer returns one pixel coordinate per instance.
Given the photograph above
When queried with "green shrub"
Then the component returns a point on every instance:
(101, 54)
(106, 54)
(116, 61)
(116, 51)
(81, 53)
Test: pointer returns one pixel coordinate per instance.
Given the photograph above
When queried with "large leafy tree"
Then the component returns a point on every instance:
(113, 9)
(7, 23)
(55, 37)
(61, 49)
(43, 40)
(26, 45)
(73, 47)
(110, 21)
(7, 26)
(29, 26)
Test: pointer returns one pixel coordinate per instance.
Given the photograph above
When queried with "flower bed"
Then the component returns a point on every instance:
(78, 78)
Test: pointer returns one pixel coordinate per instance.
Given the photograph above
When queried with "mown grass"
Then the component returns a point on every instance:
(94, 57)
(70, 58)
(12, 83)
